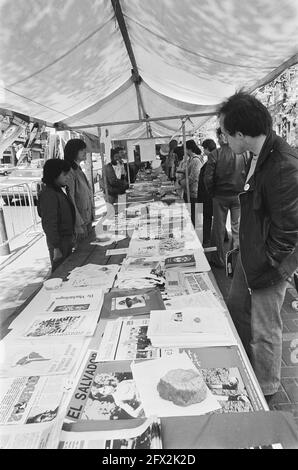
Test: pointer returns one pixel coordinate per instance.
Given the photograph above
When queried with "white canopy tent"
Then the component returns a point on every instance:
(71, 61)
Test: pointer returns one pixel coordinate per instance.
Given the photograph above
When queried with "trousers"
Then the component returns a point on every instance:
(257, 318)
(221, 206)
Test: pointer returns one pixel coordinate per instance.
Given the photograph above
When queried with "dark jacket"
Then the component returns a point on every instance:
(269, 214)
(203, 194)
(57, 214)
(114, 185)
(225, 172)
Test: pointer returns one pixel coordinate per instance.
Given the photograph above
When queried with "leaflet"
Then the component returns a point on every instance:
(60, 325)
(28, 400)
(126, 339)
(76, 301)
(40, 357)
(88, 435)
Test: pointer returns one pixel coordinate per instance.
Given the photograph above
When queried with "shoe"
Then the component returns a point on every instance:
(269, 398)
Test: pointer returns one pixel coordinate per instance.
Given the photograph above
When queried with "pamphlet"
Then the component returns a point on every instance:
(131, 302)
(76, 301)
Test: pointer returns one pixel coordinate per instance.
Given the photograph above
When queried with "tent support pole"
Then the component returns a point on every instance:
(185, 162)
(103, 168)
(62, 126)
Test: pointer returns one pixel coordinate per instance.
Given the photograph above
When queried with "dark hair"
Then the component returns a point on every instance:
(191, 145)
(53, 168)
(71, 150)
(218, 132)
(115, 152)
(209, 144)
(242, 112)
(173, 144)
(179, 151)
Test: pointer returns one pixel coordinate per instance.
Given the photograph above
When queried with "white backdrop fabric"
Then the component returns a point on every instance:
(65, 60)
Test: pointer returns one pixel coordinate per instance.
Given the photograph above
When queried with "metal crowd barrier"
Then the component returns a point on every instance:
(18, 213)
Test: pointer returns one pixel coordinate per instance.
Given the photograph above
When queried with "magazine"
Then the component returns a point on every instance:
(180, 261)
(131, 302)
(40, 357)
(126, 339)
(75, 301)
(60, 325)
(105, 391)
(28, 400)
(90, 435)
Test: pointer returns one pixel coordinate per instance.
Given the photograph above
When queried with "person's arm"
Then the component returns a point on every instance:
(210, 172)
(282, 203)
(48, 205)
(71, 188)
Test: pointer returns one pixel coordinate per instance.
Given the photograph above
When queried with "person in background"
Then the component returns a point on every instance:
(79, 188)
(194, 165)
(163, 153)
(172, 160)
(204, 197)
(224, 179)
(57, 211)
(180, 169)
(268, 234)
(116, 184)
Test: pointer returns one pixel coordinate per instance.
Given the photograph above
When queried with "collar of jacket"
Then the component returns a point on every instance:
(267, 148)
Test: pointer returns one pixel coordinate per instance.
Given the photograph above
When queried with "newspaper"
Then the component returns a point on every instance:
(90, 436)
(28, 400)
(60, 325)
(126, 339)
(76, 301)
(40, 357)
(37, 436)
(148, 375)
(105, 391)
(187, 283)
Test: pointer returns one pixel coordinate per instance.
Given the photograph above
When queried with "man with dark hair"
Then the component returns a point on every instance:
(268, 233)
(224, 179)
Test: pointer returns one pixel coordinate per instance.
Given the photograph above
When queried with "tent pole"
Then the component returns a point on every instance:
(62, 126)
(103, 169)
(185, 162)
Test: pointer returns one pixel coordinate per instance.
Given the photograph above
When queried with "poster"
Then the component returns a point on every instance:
(148, 376)
(147, 150)
(37, 436)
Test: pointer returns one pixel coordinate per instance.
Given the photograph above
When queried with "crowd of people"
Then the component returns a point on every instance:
(252, 173)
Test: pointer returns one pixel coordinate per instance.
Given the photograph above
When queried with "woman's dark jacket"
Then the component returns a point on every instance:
(57, 214)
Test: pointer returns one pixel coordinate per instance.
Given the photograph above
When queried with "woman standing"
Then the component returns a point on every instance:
(79, 188)
(56, 211)
(194, 165)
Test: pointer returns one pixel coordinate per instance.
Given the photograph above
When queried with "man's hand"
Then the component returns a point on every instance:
(57, 254)
(81, 233)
